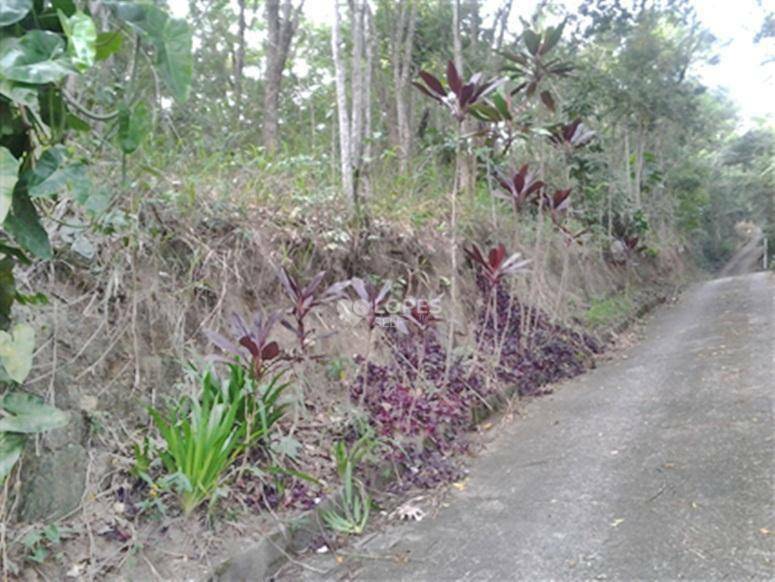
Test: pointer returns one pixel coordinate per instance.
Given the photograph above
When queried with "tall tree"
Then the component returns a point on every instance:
(239, 61)
(281, 24)
(345, 145)
(353, 116)
(401, 43)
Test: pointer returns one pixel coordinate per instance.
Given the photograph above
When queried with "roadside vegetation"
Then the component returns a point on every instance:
(252, 265)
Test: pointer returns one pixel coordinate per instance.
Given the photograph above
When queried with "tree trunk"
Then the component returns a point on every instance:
(402, 41)
(501, 24)
(345, 146)
(239, 63)
(639, 161)
(371, 47)
(280, 30)
(357, 10)
(466, 168)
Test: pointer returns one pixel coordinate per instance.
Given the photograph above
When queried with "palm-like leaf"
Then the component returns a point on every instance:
(497, 264)
(572, 135)
(305, 298)
(520, 187)
(460, 97)
(372, 296)
(252, 342)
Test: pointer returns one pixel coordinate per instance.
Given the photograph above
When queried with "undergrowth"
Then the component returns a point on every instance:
(605, 311)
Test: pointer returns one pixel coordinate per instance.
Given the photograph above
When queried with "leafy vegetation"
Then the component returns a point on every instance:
(353, 513)
(603, 312)
(439, 200)
(204, 435)
(21, 414)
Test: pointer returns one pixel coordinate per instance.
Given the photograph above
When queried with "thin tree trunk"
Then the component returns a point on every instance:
(627, 169)
(357, 12)
(457, 43)
(503, 24)
(368, 129)
(465, 166)
(639, 146)
(402, 44)
(345, 146)
(239, 63)
(280, 30)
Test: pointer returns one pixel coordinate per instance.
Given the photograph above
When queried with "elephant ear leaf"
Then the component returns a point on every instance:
(81, 39)
(171, 38)
(9, 166)
(27, 414)
(36, 58)
(133, 126)
(23, 224)
(16, 350)
(174, 57)
(12, 11)
(11, 447)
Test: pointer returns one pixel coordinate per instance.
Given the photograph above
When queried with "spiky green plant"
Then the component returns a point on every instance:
(205, 435)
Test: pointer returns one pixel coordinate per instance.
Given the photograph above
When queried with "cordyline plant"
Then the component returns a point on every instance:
(422, 317)
(496, 265)
(305, 299)
(519, 188)
(557, 204)
(571, 135)
(372, 297)
(460, 97)
(530, 67)
(253, 343)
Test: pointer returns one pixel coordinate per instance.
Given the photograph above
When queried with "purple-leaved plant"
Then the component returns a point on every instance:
(304, 299)
(252, 345)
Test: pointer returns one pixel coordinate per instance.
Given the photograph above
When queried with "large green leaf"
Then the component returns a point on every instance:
(171, 38)
(9, 167)
(11, 447)
(96, 200)
(552, 37)
(146, 19)
(16, 349)
(81, 39)
(175, 59)
(107, 44)
(52, 174)
(532, 41)
(46, 165)
(23, 224)
(133, 126)
(27, 414)
(20, 94)
(66, 6)
(38, 57)
(13, 11)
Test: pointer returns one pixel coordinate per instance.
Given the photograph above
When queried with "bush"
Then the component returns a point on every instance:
(205, 435)
(603, 312)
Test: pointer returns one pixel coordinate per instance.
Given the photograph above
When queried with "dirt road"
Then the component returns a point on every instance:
(747, 258)
(658, 465)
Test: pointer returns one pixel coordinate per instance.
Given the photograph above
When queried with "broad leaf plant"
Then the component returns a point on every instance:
(47, 47)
